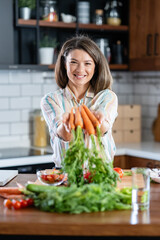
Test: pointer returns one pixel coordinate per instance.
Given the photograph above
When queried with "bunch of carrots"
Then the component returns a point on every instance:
(78, 154)
(83, 118)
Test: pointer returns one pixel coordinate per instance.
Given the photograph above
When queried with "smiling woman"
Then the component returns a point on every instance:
(83, 75)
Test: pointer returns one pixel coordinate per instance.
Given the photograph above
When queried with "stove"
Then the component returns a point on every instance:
(26, 160)
(19, 152)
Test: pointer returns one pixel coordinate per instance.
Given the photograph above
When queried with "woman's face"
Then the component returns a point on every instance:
(80, 67)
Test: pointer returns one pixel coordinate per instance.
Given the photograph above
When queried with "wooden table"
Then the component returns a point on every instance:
(31, 221)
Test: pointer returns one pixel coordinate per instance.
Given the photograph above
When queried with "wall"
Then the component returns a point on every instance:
(21, 91)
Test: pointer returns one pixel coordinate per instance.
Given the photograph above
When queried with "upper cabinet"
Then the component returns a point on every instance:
(144, 35)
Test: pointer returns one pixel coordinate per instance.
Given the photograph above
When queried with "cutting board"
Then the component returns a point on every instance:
(7, 175)
(156, 126)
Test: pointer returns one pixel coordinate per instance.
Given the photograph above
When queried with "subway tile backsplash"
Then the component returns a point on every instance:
(21, 92)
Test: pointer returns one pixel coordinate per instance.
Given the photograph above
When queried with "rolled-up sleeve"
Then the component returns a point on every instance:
(52, 113)
(107, 102)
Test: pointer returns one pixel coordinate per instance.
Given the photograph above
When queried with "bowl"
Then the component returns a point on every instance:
(155, 175)
(52, 177)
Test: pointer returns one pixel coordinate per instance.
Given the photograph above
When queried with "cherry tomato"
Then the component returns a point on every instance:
(87, 176)
(8, 203)
(24, 203)
(119, 171)
(16, 204)
(30, 201)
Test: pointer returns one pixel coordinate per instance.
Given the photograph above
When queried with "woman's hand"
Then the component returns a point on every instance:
(63, 129)
(104, 125)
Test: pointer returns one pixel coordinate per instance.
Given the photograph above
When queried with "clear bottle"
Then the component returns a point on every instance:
(49, 10)
(113, 12)
(40, 130)
(98, 17)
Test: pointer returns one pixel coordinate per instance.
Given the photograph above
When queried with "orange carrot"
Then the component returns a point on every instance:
(71, 119)
(10, 190)
(91, 116)
(87, 122)
(78, 118)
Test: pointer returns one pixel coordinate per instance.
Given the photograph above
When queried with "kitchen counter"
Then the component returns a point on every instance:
(148, 150)
(31, 221)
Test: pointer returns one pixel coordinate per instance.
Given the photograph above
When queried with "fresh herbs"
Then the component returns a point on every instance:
(73, 199)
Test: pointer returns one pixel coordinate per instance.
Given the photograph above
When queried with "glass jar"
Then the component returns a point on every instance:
(40, 130)
(103, 44)
(98, 17)
(49, 11)
(113, 12)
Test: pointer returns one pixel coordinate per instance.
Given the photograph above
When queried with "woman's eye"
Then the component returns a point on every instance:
(88, 63)
(73, 62)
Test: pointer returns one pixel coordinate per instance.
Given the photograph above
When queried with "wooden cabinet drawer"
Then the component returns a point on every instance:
(131, 111)
(118, 124)
(131, 123)
(117, 136)
(131, 136)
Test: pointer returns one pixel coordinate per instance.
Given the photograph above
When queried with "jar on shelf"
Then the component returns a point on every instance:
(40, 129)
(98, 19)
(113, 12)
(49, 10)
(103, 44)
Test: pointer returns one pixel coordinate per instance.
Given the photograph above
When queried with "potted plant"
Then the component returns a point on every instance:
(46, 50)
(25, 7)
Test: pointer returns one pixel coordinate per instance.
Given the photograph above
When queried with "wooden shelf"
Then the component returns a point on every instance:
(119, 66)
(111, 66)
(30, 22)
(91, 26)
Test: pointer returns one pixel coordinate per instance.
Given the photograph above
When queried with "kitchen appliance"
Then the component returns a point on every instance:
(26, 159)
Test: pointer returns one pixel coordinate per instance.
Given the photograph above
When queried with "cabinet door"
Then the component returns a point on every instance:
(144, 35)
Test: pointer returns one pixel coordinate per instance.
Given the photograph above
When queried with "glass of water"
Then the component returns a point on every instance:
(140, 188)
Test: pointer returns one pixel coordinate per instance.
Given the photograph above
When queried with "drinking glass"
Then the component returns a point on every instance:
(140, 188)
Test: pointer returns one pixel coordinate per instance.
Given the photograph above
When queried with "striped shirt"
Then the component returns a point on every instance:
(54, 104)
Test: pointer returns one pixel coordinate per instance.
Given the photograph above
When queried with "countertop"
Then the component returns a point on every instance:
(149, 150)
(31, 221)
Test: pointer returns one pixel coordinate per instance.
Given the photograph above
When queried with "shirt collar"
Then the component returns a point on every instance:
(69, 95)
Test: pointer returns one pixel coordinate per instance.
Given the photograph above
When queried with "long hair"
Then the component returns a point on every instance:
(101, 79)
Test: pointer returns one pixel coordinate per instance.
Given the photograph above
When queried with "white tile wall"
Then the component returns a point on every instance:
(21, 91)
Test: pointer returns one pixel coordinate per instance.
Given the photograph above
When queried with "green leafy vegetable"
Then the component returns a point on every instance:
(87, 198)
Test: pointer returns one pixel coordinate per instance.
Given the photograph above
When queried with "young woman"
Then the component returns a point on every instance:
(83, 75)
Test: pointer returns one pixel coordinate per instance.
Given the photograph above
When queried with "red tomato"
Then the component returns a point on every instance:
(119, 171)
(24, 203)
(30, 201)
(87, 176)
(8, 203)
(16, 204)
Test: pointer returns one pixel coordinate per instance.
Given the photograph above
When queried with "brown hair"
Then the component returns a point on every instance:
(101, 79)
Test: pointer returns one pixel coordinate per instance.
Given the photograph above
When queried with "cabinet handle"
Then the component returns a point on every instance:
(156, 36)
(149, 37)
